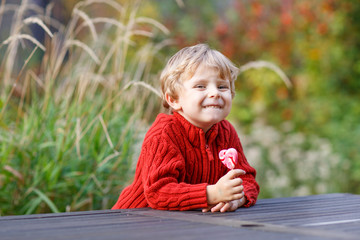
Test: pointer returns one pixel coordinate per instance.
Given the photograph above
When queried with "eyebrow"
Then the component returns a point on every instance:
(218, 79)
(224, 81)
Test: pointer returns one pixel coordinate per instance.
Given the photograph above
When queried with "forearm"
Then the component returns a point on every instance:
(177, 196)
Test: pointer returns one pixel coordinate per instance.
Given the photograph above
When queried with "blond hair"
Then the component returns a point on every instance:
(184, 63)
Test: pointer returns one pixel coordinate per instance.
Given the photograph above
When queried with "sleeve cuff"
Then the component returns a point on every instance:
(248, 203)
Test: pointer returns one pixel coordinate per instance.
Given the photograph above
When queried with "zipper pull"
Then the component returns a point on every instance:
(209, 153)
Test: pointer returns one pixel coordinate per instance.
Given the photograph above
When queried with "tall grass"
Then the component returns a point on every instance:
(71, 106)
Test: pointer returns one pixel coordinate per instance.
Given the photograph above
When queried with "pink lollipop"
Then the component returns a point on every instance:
(229, 157)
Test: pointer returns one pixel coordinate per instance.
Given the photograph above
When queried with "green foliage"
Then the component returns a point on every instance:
(71, 117)
(57, 159)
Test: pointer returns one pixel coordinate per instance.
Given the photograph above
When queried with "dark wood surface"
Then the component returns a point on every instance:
(329, 216)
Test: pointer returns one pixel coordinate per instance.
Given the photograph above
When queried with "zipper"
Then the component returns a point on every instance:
(209, 153)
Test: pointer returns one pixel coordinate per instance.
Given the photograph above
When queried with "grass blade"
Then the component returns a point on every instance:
(43, 197)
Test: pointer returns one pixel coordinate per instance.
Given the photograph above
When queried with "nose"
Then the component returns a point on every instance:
(213, 92)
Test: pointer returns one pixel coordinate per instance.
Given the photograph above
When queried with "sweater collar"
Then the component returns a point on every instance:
(195, 134)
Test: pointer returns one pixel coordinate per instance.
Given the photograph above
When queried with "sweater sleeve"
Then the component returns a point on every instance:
(251, 187)
(163, 177)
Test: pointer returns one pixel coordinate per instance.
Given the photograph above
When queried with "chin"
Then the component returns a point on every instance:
(212, 121)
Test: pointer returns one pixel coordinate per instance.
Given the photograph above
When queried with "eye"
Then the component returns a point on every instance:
(223, 87)
(200, 86)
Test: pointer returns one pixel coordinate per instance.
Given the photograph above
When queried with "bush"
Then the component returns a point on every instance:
(72, 105)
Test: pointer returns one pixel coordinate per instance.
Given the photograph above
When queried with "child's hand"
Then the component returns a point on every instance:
(226, 207)
(227, 189)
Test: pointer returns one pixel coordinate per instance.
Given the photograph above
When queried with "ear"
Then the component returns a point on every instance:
(174, 103)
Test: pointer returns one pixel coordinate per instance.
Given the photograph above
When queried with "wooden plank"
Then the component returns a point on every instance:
(125, 226)
(311, 217)
(295, 212)
(264, 227)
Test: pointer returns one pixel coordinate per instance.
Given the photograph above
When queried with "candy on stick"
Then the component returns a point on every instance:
(229, 157)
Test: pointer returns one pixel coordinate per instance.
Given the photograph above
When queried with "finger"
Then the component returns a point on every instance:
(207, 208)
(217, 207)
(234, 173)
(204, 210)
(242, 201)
(236, 181)
(238, 189)
(227, 206)
(233, 206)
(237, 196)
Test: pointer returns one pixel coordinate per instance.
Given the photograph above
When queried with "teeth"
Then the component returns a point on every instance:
(217, 107)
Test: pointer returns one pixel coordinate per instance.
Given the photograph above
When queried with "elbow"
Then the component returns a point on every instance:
(151, 199)
(154, 199)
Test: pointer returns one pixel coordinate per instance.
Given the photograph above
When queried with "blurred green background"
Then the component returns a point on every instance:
(79, 85)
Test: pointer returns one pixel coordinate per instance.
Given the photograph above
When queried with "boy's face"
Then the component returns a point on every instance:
(204, 99)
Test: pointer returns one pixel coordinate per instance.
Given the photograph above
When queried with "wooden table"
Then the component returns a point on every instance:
(329, 216)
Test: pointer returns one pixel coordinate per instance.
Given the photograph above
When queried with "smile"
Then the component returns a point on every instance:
(213, 106)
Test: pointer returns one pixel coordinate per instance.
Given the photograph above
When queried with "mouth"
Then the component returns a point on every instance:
(213, 106)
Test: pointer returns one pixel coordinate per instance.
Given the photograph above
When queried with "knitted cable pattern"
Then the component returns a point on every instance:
(178, 161)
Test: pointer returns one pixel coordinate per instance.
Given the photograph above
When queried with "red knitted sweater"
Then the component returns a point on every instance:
(177, 162)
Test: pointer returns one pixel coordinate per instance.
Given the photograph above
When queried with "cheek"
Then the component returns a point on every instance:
(230, 103)
(228, 99)
(196, 96)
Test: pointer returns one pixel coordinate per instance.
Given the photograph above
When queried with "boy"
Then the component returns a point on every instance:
(179, 166)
